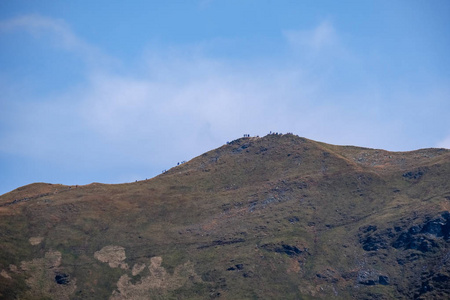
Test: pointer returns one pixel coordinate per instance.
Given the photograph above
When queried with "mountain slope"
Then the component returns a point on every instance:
(266, 218)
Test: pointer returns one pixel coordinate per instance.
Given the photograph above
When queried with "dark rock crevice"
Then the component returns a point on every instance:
(62, 278)
(221, 243)
(283, 249)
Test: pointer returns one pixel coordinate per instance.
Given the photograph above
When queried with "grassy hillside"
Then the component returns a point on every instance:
(278, 217)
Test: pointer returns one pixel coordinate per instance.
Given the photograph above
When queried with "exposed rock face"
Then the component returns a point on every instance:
(113, 255)
(137, 268)
(429, 238)
(158, 280)
(416, 174)
(36, 240)
(423, 237)
(372, 277)
(289, 250)
(5, 274)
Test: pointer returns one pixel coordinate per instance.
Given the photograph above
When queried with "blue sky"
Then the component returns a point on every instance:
(117, 91)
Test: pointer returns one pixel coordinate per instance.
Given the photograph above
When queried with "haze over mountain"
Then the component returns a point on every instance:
(276, 217)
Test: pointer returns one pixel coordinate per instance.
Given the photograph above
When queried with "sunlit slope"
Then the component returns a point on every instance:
(278, 217)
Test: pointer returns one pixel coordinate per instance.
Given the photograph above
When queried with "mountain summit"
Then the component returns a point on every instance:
(277, 217)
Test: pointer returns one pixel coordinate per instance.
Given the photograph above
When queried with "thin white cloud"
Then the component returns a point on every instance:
(444, 143)
(59, 34)
(318, 38)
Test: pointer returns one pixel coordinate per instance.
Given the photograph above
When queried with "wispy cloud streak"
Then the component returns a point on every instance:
(59, 34)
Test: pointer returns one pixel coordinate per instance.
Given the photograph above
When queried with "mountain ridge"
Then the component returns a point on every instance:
(423, 152)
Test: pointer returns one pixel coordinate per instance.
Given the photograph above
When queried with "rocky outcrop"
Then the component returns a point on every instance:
(114, 256)
(282, 248)
(157, 280)
(421, 249)
(423, 237)
(415, 174)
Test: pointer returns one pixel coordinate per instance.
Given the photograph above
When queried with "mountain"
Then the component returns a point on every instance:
(276, 217)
